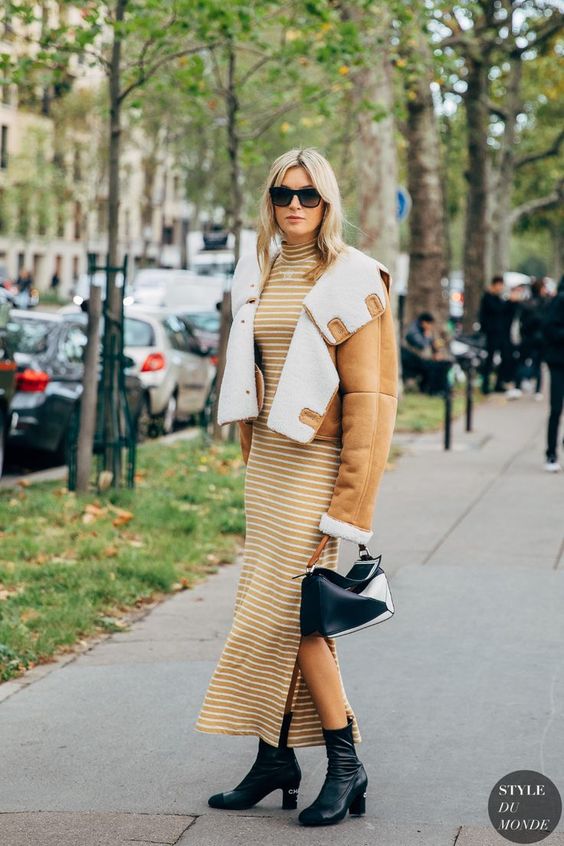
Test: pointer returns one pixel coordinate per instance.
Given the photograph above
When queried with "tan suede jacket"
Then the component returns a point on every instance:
(362, 409)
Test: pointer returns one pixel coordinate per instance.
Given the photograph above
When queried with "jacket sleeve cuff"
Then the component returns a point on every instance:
(340, 529)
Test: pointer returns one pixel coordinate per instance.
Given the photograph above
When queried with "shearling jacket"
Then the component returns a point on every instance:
(339, 379)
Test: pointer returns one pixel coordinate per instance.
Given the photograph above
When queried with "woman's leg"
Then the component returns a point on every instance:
(319, 670)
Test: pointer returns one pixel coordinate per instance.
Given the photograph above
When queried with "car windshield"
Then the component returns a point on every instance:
(29, 336)
(206, 321)
(138, 333)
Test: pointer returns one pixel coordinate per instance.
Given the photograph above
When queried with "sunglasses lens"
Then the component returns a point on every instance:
(281, 196)
(309, 197)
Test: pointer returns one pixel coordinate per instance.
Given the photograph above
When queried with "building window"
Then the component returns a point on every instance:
(6, 92)
(102, 215)
(168, 234)
(61, 220)
(4, 147)
(77, 221)
(76, 165)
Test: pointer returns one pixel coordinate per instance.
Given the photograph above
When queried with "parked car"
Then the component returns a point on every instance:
(10, 293)
(204, 326)
(176, 289)
(176, 370)
(7, 381)
(213, 263)
(81, 292)
(48, 350)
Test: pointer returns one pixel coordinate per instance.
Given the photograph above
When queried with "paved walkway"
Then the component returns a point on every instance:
(462, 686)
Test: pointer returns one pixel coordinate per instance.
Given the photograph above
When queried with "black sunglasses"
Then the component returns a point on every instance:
(282, 196)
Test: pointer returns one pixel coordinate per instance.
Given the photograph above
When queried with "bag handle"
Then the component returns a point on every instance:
(319, 549)
(362, 548)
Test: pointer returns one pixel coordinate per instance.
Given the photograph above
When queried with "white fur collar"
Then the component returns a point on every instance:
(342, 300)
(339, 303)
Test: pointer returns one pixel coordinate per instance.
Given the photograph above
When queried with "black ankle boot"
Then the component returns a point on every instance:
(275, 768)
(344, 788)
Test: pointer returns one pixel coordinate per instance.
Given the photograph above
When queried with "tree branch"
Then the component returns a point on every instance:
(146, 73)
(554, 24)
(555, 198)
(281, 110)
(553, 150)
(497, 110)
(254, 68)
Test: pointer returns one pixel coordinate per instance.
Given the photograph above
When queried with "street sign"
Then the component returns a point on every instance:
(403, 203)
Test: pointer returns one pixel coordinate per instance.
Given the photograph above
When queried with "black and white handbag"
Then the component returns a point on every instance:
(333, 605)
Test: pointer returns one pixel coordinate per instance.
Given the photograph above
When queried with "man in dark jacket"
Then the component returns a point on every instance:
(422, 355)
(553, 354)
(531, 331)
(495, 316)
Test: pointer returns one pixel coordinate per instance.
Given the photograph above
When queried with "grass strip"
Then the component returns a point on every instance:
(71, 566)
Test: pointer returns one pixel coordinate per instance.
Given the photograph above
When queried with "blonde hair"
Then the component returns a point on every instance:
(329, 237)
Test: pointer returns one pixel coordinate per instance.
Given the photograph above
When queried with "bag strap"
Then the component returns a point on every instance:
(321, 546)
(319, 549)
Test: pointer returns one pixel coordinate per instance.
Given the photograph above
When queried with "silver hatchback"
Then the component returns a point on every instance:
(178, 373)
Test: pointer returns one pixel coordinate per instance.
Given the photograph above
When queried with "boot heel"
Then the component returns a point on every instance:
(358, 805)
(290, 797)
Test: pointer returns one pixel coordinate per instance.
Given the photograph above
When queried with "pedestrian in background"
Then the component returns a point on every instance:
(24, 283)
(423, 354)
(495, 318)
(531, 332)
(553, 354)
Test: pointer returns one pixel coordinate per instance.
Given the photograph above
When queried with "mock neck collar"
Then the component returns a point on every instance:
(298, 252)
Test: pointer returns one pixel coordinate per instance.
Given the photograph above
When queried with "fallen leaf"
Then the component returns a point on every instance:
(122, 519)
(29, 614)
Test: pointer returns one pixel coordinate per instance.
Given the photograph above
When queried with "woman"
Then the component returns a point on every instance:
(311, 379)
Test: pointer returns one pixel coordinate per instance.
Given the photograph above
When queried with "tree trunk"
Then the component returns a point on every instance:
(476, 175)
(112, 456)
(233, 148)
(377, 161)
(114, 293)
(503, 185)
(427, 264)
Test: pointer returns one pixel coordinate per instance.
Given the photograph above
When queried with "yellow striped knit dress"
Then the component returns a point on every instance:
(287, 487)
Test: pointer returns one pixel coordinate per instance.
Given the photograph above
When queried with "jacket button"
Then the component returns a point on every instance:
(247, 391)
(242, 320)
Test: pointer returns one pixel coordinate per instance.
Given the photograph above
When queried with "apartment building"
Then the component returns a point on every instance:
(53, 190)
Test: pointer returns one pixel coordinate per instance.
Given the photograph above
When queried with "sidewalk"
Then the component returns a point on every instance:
(464, 685)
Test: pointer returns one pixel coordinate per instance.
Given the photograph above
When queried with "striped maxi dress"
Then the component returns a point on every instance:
(287, 487)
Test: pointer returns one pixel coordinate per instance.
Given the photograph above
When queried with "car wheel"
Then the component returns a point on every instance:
(169, 415)
(145, 423)
(68, 445)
